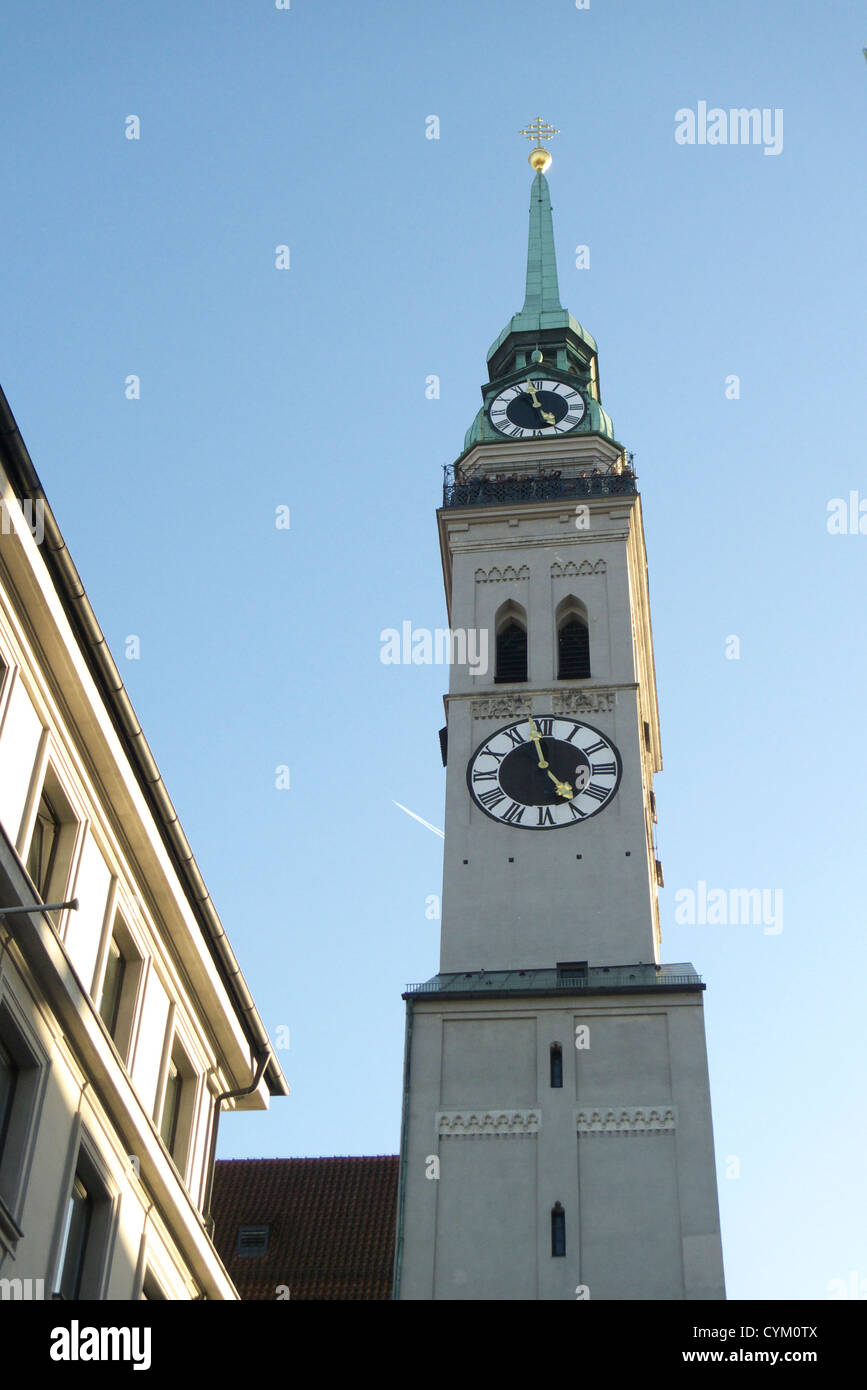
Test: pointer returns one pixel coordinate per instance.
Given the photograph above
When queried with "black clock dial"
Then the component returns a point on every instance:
(544, 772)
(525, 780)
(521, 411)
(537, 406)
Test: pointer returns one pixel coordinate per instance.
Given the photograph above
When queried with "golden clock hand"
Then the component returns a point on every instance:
(545, 414)
(537, 740)
(563, 788)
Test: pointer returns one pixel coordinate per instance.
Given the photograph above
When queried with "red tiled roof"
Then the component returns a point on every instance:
(332, 1225)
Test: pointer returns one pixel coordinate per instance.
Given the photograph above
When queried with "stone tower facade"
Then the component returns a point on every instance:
(557, 1138)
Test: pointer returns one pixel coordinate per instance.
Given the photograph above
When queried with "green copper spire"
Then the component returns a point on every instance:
(543, 337)
(542, 311)
(543, 292)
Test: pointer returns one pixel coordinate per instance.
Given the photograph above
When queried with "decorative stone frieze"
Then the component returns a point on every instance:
(562, 702)
(482, 1124)
(626, 1119)
(560, 571)
(497, 576)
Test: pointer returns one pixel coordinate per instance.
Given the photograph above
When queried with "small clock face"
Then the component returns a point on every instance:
(544, 773)
(537, 407)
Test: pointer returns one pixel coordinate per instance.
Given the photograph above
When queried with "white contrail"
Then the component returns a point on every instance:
(426, 823)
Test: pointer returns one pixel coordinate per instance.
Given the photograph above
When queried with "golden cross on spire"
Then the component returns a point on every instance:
(539, 130)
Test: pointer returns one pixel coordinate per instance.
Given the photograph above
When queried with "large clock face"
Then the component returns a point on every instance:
(543, 773)
(537, 407)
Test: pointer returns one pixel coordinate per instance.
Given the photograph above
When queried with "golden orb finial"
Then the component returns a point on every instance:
(540, 160)
(539, 130)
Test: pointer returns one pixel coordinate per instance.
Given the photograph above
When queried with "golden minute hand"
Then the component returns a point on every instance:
(537, 739)
(545, 414)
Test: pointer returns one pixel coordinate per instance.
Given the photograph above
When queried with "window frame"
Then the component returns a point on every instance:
(87, 1165)
(178, 1053)
(133, 955)
(47, 782)
(22, 1121)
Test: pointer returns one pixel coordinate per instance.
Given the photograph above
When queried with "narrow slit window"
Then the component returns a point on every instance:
(556, 1065)
(558, 1230)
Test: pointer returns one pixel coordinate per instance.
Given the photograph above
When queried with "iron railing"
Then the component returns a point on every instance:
(541, 485)
(545, 981)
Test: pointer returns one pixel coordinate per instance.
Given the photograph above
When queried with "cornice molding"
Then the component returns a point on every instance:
(617, 532)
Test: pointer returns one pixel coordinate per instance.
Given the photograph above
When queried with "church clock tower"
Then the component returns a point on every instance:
(556, 1138)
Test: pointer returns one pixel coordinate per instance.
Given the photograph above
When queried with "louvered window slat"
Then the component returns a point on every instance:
(573, 645)
(511, 654)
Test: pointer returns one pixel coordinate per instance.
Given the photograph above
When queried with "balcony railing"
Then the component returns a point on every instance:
(596, 978)
(540, 485)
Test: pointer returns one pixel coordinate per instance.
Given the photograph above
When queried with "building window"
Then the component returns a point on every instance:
(8, 1085)
(556, 1065)
(558, 1230)
(178, 1105)
(116, 995)
(151, 1289)
(43, 846)
(171, 1107)
(79, 1217)
(23, 1068)
(86, 1238)
(52, 841)
(253, 1241)
(511, 630)
(112, 986)
(573, 641)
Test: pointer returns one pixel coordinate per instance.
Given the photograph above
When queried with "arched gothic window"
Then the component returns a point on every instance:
(511, 631)
(573, 641)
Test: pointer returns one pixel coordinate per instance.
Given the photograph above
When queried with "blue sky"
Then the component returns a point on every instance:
(305, 388)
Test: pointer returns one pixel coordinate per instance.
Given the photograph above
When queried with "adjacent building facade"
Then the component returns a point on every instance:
(125, 1022)
(557, 1139)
